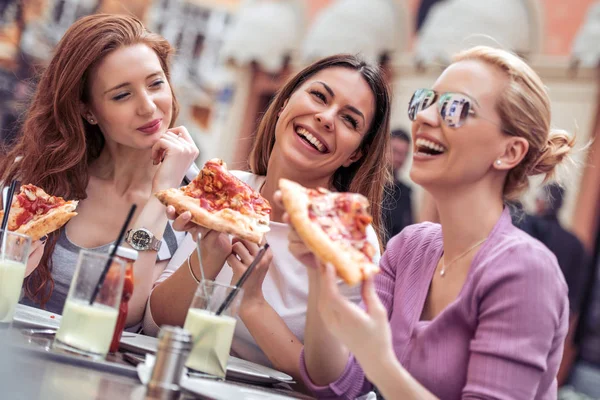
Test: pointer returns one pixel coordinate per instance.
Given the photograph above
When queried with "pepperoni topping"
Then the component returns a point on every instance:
(342, 216)
(23, 218)
(37, 206)
(31, 202)
(217, 189)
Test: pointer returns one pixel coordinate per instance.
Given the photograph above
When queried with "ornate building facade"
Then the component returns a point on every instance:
(233, 55)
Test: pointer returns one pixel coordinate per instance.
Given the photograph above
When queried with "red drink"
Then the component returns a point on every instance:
(129, 256)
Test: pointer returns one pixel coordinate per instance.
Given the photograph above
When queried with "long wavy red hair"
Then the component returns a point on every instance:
(57, 144)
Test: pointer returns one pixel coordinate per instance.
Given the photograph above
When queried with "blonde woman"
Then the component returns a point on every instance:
(472, 307)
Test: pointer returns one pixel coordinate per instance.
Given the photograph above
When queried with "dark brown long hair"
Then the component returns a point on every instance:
(57, 144)
(370, 173)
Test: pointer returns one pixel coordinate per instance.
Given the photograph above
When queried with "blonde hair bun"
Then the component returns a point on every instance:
(558, 149)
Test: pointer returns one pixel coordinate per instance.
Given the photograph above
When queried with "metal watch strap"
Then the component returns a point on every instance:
(155, 244)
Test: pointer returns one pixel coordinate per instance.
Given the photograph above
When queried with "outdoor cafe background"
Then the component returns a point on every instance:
(232, 56)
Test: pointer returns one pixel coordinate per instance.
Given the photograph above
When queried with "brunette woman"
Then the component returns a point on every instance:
(327, 127)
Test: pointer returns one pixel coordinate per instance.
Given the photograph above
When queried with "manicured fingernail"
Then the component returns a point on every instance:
(44, 238)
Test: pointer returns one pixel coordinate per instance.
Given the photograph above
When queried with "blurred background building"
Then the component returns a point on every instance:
(233, 55)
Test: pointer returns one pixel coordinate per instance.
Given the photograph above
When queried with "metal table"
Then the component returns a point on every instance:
(30, 369)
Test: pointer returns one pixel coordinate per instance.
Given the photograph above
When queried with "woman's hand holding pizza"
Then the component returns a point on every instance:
(365, 332)
(183, 223)
(296, 245)
(175, 151)
(215, 246)
(36, 252)
(299, 249)
(242, 254)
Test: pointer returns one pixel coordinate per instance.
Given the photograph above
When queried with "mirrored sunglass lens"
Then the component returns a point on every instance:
(454, 109)
(420, 100)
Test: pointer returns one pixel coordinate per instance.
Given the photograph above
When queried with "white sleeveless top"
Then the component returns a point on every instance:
(285, 286)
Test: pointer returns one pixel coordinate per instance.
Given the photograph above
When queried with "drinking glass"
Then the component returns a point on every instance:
(14, 252)
(212, 334)
(88, 328)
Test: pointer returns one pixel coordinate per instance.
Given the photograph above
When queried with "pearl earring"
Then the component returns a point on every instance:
(498, 162)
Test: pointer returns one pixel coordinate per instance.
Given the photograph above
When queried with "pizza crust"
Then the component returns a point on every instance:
(41, 226)
(349, 262)
(227, 220)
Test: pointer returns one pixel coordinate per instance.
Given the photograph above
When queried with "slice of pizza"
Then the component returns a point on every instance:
(334, 227)
(220, 201)
(36, 213)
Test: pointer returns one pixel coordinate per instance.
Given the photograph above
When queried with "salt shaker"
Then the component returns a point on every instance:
(174, 345)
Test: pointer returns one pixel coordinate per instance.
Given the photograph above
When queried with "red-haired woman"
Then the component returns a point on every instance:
(100, 130)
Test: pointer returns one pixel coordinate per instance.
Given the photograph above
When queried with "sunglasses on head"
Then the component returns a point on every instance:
(453, 108)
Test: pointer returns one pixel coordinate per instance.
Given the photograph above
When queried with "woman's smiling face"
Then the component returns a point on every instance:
(322, 124)
(130, 97)
(466, 154)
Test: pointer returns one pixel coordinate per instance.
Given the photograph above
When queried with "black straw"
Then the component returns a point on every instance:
(112, 254)
(7, 205)
(241, 281)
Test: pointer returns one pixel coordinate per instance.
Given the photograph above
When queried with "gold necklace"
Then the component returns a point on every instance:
(444, 266)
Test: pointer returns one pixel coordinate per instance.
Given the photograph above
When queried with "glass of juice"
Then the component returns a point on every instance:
(212, 334)
(129, 256)
(14, 252)
(88, 328)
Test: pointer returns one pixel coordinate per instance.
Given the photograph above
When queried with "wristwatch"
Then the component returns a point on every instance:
(142, 239)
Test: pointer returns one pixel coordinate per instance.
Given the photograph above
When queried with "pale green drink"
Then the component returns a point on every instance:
(87, 327)
(11, 280)
(212, 336)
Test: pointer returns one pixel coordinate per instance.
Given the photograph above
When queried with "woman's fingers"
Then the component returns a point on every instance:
(159, 150)
(203, 231)
(171, 213)
(182, 220)
(35, 255)
(234, 262)
(182, 132)
(176, 140)
(252, 247)
(293, 235)
(374, 305)
(238, 248)
(37, 244)
(183, 223)
(278, 199)
(329, 278)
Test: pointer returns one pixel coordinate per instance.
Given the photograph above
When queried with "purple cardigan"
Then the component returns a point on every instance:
(502, 337)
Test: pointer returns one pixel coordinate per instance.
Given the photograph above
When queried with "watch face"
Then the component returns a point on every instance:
(140, 240)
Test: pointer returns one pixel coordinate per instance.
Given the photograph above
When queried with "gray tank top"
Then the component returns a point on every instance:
(64, 260)
(66, 252)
